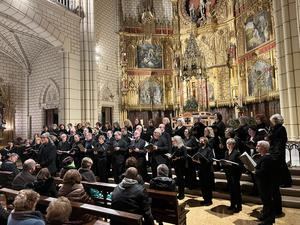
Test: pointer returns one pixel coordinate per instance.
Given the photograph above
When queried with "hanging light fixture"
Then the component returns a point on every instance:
(193, 62)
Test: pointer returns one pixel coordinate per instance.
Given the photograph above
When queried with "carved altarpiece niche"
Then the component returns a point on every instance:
(256, 51)
(147, 81)
(7, 113)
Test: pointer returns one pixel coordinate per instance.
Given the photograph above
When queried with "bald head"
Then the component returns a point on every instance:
(131, 173)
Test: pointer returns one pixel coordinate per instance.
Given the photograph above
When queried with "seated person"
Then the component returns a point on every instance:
(3, 215)
(25, 178)
(88, 175)
(10, 164)
(75, 192)
(130, 196)
(67, 164)
(85, 170)
(45, 184)
(59, 211)
(132, 162)
(162, 182)
(24, 212)
(72, 187)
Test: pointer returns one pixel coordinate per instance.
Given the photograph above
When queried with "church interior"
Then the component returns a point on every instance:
(109, 68)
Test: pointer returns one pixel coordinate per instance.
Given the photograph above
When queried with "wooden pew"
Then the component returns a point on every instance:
(104, 188)
(98, 211)
(6, 178)
(165, 206)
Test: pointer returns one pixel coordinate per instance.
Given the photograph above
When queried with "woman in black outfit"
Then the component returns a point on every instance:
(192, 146)
(204, 159)
(178, 158)
(179, 130)
(233, 173)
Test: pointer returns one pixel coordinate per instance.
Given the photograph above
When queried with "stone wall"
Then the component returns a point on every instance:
(107, 48)
(288, 54)
(46, 87)
(13, 75)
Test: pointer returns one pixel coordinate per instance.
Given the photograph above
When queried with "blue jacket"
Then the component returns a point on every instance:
(25, 218)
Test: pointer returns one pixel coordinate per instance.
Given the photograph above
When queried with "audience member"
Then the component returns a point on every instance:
(85, 170)
(129, 196)
(73, 189)
(26, 178)
(24, 212)
(67, 164)
(10, 164)
(59, 212)
(163, 182)
(45, 184)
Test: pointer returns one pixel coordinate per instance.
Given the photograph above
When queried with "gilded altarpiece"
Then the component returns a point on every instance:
(235, 37)
(215, 36)
(256, 62)
(237, 40)
(147, 79)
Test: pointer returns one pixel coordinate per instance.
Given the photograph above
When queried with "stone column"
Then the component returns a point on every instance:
(288, 56)
(88, 76)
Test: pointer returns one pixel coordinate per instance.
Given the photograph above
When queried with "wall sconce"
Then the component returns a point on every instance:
(98, 55)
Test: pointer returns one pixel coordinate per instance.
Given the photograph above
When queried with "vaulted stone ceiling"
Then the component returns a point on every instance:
(19, 42)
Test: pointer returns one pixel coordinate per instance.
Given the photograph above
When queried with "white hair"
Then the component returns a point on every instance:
(157, 130)
(264, 144)
(230, 141)
(179, 141)
(277, 119)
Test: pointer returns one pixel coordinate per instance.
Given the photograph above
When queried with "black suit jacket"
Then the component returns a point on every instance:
(233, 170)
(264, 174)
(47, 157)
(158, 156)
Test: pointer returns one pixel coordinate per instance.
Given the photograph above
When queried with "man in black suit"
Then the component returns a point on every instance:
(265, 178)
(166, 135)
(119, 154)
(47, 154)
(136, 149)
(160, 148)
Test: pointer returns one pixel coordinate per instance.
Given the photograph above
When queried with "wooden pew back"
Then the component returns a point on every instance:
(6, 178)
(165, 206)
(127, 218)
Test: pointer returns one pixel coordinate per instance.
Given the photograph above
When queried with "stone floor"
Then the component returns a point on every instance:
(217, 214)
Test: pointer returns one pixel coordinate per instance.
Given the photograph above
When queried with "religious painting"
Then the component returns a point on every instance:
(150, 93)
(210, 91)
(257, 30)
(198, 10)
(149, 56)
(260, 79)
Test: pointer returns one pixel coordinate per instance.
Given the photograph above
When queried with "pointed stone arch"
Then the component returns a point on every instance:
(50, 95)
